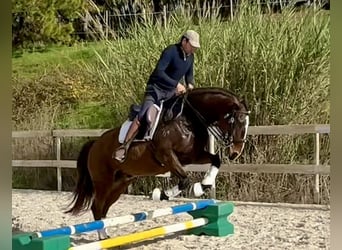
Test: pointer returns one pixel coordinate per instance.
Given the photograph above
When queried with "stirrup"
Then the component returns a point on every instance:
(120, 157)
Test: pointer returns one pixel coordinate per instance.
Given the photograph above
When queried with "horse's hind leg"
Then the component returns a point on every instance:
(112, 194)
(171, 161)
(101, 193)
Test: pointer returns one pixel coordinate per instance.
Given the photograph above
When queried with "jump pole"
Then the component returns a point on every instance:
(110, 222)
(212, 221)
(136, 237)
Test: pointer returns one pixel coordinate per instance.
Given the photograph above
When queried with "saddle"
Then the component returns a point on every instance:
(166, 111)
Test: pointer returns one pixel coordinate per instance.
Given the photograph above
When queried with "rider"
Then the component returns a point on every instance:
(175, 62)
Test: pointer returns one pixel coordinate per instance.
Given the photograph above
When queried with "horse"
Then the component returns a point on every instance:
(176, 142)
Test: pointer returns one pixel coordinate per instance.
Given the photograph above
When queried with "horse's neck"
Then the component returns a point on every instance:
(198, 121)
(194, 125)
(212, 105)
(205, 112)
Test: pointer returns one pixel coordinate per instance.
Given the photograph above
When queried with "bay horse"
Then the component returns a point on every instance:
(177, 142)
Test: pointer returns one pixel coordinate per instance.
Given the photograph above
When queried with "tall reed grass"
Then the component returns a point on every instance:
(280, 63)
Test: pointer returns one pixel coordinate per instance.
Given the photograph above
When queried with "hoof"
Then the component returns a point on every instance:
(102, 234)
(158, 195)
(173, 192)
(104, 237)
(163, 196)
(198, 190)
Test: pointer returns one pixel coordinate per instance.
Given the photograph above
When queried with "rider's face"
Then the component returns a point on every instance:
(188, 48)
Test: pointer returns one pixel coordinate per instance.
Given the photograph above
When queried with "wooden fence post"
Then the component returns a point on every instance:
(316, 190)
(59, 169)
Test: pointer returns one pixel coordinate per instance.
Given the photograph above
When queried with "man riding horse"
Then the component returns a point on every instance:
(176, 62)
(103, 175)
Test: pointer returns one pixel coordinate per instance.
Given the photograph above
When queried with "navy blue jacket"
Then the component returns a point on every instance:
(172, 66)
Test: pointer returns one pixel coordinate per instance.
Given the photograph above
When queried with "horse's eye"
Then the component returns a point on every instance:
(242, 118)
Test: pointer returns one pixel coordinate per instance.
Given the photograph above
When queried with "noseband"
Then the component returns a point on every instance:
(226, 138)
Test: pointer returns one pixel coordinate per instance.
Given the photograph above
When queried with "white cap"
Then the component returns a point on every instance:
(193, 38)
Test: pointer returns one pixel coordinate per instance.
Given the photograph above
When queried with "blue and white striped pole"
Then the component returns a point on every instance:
(101, 224)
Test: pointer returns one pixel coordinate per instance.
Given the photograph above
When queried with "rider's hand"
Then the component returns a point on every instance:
(190, 86)
(180, 89)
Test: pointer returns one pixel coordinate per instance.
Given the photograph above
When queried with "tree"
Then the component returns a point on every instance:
(44, 21)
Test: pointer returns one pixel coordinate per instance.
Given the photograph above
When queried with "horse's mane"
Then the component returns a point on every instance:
(220, 91)
(215, 90)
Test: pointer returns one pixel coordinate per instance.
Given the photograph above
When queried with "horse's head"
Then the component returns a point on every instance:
(233, 125)
(224, 115)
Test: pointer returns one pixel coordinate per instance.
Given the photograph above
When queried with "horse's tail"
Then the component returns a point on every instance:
(83, 192)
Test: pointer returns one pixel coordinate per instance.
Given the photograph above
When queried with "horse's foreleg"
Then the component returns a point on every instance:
(210, 175)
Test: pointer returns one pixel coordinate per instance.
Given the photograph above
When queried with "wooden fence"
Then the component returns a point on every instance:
(315, 168)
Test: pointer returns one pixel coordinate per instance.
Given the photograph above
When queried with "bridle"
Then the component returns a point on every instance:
(231, 119)
(225, 138)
